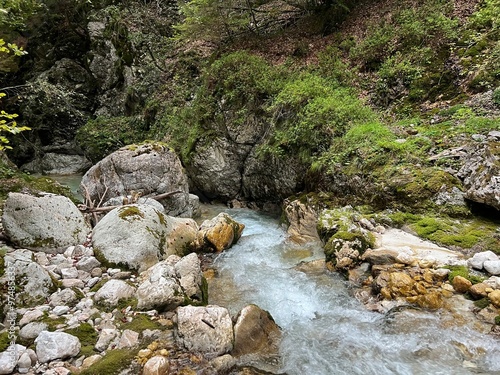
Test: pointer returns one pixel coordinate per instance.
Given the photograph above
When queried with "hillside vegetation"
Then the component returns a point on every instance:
(367, 97)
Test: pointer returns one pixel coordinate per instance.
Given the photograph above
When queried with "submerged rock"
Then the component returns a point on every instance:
(49, 223)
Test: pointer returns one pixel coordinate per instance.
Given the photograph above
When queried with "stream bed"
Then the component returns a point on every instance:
(325, 329)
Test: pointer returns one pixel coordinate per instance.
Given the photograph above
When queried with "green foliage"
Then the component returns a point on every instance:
(7, 120)
(88, 338)
(408, 50)
(234, 92)
(100, 137)
(309, 112)
(14, 13)
(496, 97)
(332, 66)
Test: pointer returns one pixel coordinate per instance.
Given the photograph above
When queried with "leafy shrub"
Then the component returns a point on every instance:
(310, 112)
(496, 97)
(234, 90)
(100, 137)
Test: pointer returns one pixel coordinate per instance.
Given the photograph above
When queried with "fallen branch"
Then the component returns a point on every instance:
(91, 209)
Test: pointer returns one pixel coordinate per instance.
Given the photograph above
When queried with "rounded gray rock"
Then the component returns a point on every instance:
(49, 223)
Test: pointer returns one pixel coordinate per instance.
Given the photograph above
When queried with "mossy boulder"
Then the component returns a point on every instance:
(33, 284)
(346, 240)
(149, 169)
(48, 223)
(132, 236)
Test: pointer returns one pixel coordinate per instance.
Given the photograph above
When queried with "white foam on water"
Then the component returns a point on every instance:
(326, 330)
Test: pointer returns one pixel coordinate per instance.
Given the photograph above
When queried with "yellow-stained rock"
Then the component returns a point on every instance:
(432, 300)
(495, 297)
(157, 365)
(219, 233)
(401, 284)
(461, 284)
(478, 291)
(428, 276)
(420, 288)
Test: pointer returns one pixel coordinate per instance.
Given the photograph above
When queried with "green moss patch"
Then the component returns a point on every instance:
(477, 233)
(4, 341)
(88, 337)
(114, 361)
(141, 322)
(463, 271)
(130, 213)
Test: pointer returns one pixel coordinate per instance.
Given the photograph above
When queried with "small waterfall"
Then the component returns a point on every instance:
(326, 330)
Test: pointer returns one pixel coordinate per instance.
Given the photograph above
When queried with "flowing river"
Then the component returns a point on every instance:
(326, 331)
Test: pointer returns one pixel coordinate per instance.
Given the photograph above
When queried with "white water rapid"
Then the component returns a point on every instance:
(326, 331)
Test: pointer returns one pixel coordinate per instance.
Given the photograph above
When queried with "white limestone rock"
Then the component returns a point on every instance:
(49, 223)
(205, 329)
(113, 291)
(56, 345)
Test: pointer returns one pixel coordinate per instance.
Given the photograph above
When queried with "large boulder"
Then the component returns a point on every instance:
(133, 236)
(171, 283)
(226, 169)
(33, 282)
(219, 233)
(255, 333)
(148, 169)
(205, 329)
(48, 223)
(481, 171)
(56, 345)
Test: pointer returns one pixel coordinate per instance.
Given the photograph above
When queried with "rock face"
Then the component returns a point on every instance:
(205, 329)
(303, 221)
(132, 235)
(48, 223)
(219, 233)
(56, 345)
(171, 283)
(148, 169)
(228, 168)
(481, 172)
(58, 164)
(255, 332)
